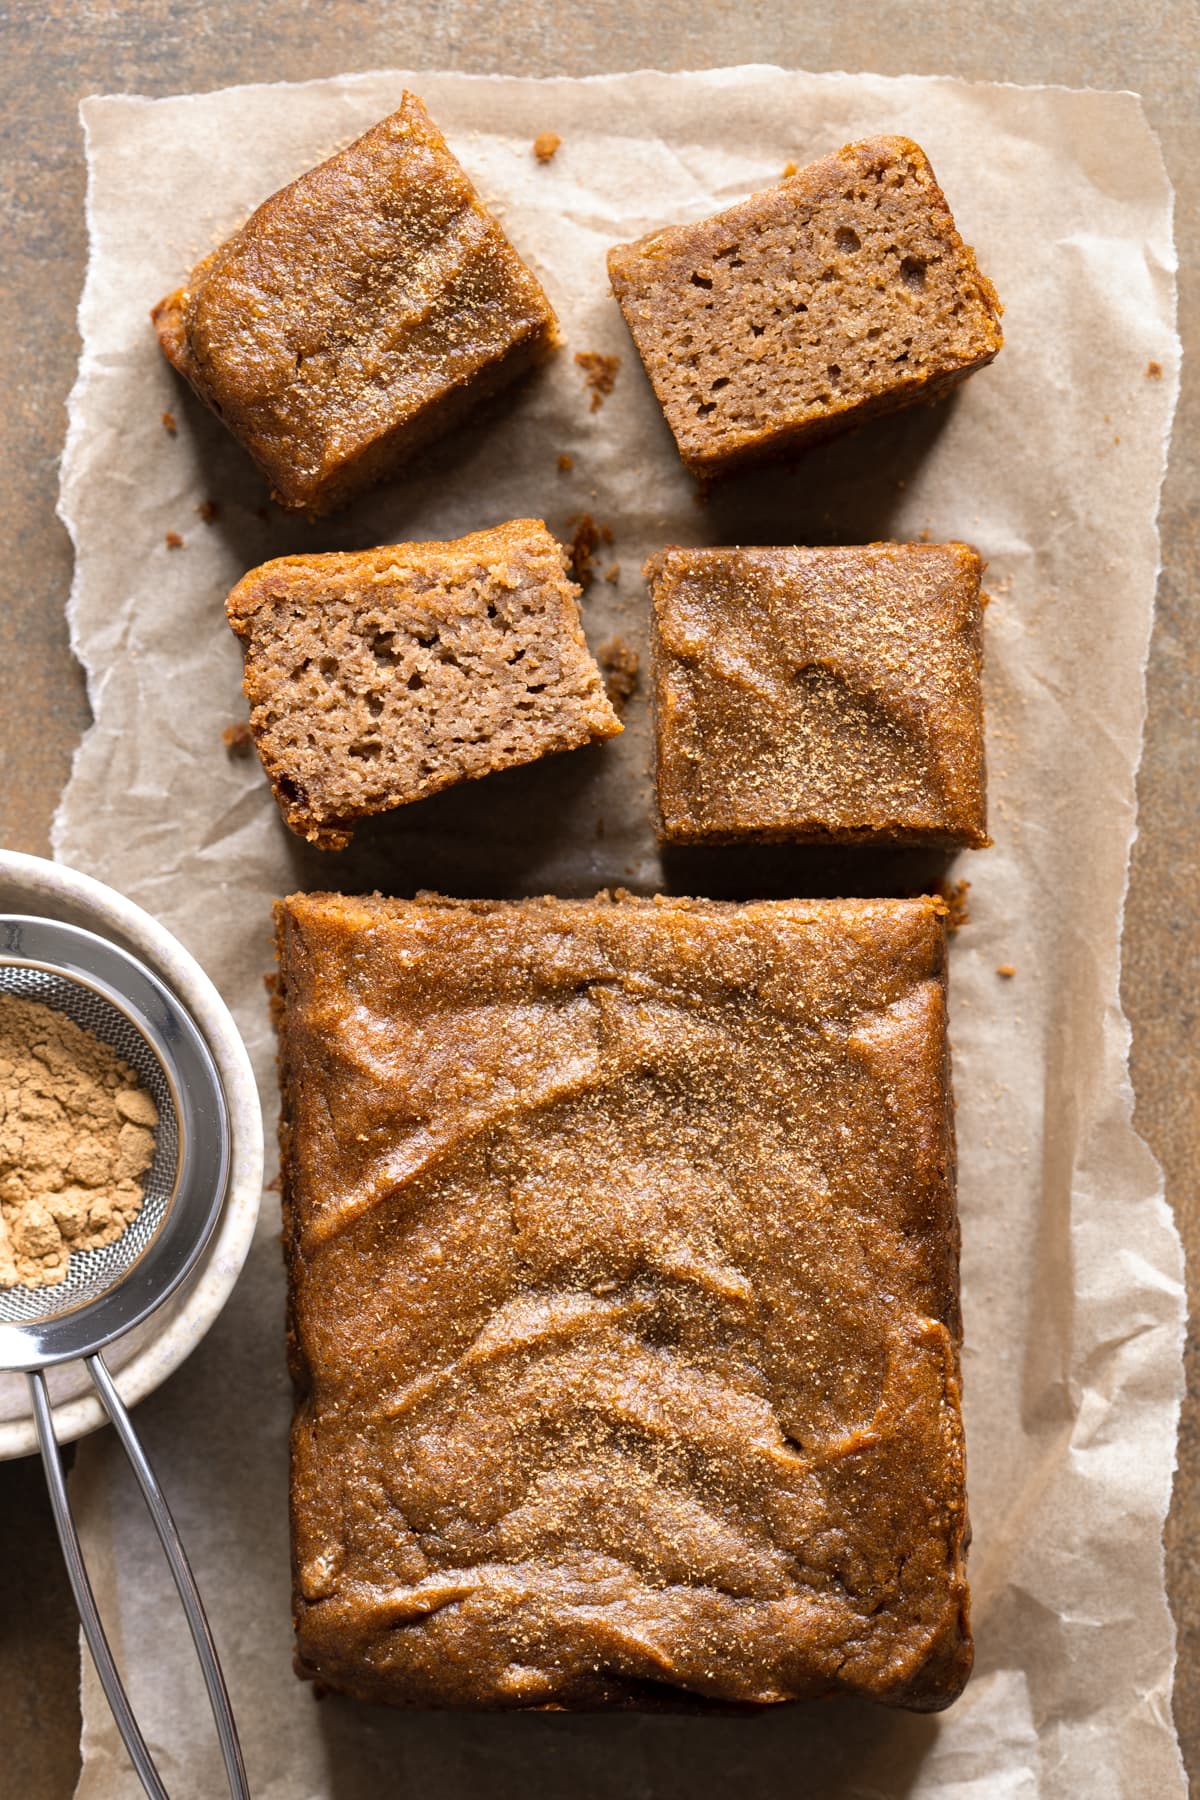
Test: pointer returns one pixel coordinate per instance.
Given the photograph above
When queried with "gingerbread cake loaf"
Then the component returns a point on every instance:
(623, 1266)
(357, 314)
(843, 292)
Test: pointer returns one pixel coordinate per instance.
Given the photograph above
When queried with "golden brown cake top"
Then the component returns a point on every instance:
(826, 693)
(373, 288)
(844, 290)
(379, 677)
(623, 1267)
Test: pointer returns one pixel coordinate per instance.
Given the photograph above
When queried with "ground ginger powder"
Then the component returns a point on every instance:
(76, 1139)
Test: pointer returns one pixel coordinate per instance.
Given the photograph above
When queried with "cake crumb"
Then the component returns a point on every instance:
(209, 511)
(620, 662)
(954, 893)
(583, 546)
(790, 168)
(237, 737)
(1153, 371)
(545, 144)
(169, 423)
(565, 463)
(600, 372)
(585, 540)
(174, 541)
(613, 573)
(1008, 970)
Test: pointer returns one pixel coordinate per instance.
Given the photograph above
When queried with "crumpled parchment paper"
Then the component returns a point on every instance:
(1051, 462)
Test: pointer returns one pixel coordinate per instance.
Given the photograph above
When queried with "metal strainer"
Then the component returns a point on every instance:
(110, 1290)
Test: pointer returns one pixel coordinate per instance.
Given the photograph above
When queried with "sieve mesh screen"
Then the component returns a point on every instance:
(91, 1272)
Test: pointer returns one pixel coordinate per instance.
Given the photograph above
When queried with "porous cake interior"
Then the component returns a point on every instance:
(841, 285)
(383, 677)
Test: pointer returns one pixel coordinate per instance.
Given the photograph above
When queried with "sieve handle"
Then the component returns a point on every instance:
(185, 1581)
(85, 1600)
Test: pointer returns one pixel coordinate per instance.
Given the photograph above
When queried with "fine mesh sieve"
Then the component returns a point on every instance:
(90, 1272)
(108, 1291)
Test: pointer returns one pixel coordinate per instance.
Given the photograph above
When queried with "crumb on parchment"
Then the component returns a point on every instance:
(954, 894)
(545, 144)
(237, 737)
(585, 541)
(1008, 970)
(565, 463)
(600, 372)
(169, 423)
(620, 662)
(174, 541)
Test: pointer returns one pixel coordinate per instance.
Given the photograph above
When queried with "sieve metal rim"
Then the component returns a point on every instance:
(174, 1040)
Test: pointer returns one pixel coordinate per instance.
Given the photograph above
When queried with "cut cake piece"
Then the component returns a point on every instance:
(358, 313)
(376, 677)
(843, 292)
(623, 1269)
(820, 695)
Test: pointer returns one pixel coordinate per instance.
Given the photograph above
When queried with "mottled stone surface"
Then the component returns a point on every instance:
(59, 51)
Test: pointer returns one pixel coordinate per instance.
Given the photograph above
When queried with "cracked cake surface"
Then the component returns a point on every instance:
(378, 677)
(843, 292)
(622, 1256)
(820, 695)
(358, 313)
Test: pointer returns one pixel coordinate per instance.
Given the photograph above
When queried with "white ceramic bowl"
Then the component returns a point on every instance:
(146, 1356)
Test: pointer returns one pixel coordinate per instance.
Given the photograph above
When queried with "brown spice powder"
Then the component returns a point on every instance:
(76, 1140)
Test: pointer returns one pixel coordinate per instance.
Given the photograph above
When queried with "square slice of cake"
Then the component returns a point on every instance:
(358, 313)
(376, 677)
(820, 695)
(623, 1266)
(843, 292)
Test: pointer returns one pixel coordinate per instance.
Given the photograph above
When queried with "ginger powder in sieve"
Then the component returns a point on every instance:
(76, 1141)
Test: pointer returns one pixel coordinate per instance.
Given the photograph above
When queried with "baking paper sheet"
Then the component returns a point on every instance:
(1051, 463)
